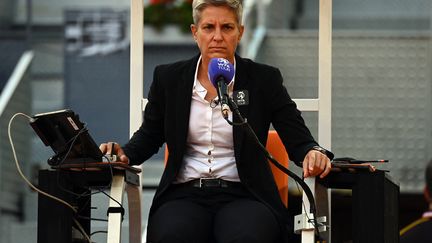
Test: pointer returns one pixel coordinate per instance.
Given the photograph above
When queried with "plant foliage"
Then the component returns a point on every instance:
(160, 13)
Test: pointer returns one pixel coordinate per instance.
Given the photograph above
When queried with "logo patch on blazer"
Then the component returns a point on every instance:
(241, 97)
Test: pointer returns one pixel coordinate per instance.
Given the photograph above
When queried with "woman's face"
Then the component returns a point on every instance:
(217, 33)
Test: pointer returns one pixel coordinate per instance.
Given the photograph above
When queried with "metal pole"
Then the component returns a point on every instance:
(325, 73)
(136, 64)
(29, 22)
(136, 90)
(324, 106)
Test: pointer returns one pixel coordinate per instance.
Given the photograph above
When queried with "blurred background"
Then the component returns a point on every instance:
(57, 54)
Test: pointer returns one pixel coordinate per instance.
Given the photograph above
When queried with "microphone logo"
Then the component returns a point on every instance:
(224, 64)
(220, 68)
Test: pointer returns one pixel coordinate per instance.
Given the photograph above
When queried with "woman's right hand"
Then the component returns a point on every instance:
(113, 148)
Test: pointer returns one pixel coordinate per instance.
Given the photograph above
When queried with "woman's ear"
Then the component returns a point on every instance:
(193, 31)
(241, 30)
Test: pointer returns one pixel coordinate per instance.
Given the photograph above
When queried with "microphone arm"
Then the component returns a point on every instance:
(222, 90)
(248, 129)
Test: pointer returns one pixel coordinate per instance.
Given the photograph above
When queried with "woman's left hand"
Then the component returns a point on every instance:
(316, 163)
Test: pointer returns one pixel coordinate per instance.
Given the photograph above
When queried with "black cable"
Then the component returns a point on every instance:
(99, 232)
(121, 206)
(245, 125)
(319, 240)
(100, 190)
(72, 142)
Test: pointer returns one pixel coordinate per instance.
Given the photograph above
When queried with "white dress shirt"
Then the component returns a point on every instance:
(210, 147)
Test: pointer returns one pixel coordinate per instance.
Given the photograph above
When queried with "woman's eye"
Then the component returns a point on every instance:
(228, 27)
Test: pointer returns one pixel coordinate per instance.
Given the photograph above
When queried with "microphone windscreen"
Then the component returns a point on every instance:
(220, 67)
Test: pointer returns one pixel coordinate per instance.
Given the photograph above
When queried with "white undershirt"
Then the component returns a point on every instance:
(210, 146)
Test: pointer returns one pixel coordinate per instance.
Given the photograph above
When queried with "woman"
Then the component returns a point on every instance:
(217, 186)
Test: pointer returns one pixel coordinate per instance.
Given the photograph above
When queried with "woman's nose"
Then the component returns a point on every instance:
(218, 34)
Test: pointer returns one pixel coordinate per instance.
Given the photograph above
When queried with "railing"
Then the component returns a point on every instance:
(254, 19)
(15, 97)
(15, 79)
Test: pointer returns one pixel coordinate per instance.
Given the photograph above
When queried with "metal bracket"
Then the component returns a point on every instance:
(304, 222)
(132, 178)
(119, 210)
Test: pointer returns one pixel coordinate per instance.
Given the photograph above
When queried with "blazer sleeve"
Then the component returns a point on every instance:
(147, 140)
(287, 119)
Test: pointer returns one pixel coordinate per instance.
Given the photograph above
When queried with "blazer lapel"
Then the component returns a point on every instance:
(183, 101)
(241, 83)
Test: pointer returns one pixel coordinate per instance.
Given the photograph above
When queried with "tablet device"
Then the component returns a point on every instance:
(67, 136)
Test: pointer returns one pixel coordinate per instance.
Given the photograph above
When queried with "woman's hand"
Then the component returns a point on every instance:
(112, 148)
(316, 163)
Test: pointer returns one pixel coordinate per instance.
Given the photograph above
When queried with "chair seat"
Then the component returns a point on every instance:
(277, 150)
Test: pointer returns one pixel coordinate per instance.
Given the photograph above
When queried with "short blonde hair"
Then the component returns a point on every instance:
(199, 5)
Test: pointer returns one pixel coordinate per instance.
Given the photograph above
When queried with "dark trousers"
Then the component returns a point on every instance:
(211, 215)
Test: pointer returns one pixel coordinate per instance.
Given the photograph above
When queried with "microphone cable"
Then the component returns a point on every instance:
(244, 124)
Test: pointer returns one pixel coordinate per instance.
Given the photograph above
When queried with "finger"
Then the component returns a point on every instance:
(312, 162)
(322, 161)
(320, 166)
(327, 169)
(114, 148)
(305, 167)
(124, 159)
(103, 147)
(308, 164)
(120, 154)
(109, 148)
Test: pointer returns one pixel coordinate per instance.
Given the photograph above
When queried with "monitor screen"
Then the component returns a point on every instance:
(67, 136)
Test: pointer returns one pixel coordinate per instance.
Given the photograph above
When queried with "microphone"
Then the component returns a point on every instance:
(221, 72)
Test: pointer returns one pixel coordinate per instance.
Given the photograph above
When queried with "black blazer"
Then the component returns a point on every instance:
(166, 119)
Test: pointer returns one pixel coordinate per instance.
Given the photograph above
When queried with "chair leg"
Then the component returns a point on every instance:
(134, 203)
(307, 229)
(115, 217)
(323, 202)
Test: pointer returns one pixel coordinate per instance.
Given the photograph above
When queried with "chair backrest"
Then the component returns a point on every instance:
(277, 150)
